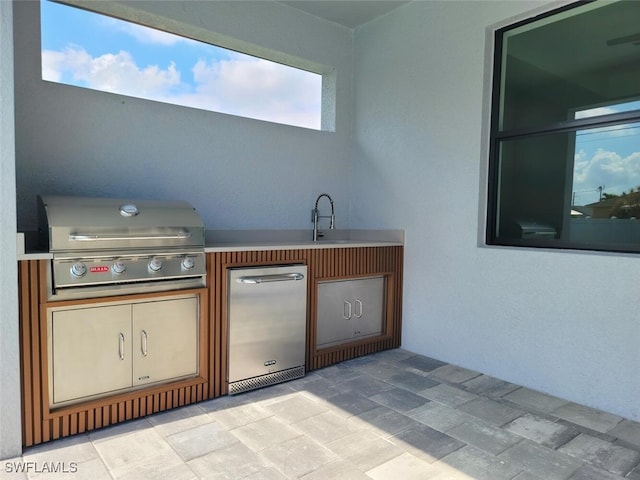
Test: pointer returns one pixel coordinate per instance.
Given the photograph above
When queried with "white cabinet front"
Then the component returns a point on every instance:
(112, 347)
(166, 339)
(90, 351)
(349, 310)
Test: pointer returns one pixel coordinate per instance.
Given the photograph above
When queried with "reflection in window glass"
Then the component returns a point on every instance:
(90, 50)
(565, 136)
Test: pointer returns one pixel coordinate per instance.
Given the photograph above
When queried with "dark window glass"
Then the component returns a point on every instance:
(565, 136)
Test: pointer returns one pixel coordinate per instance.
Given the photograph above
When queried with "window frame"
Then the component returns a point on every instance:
(143, 18)
(497, 137)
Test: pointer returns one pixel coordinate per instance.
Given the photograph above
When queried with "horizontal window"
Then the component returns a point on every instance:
(565, 134)
(90, 50)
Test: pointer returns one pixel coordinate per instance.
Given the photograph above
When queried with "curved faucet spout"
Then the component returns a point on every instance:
(315, 216)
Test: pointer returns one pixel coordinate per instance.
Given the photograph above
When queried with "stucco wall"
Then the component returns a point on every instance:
(564, 323)
(10, 430)
(237, 172)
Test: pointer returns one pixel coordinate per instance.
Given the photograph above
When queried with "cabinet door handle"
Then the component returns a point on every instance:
(346, 310)
(358, 308)
(143, 342)
(121, 346)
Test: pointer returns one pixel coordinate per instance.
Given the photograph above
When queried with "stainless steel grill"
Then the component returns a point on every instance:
(104, 246)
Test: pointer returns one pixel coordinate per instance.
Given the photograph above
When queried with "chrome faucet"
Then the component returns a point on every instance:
(315, 217)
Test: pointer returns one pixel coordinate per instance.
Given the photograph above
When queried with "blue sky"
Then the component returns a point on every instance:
(95, 51)
(607, 157)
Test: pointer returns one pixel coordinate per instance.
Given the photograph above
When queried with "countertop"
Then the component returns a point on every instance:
(252, 240)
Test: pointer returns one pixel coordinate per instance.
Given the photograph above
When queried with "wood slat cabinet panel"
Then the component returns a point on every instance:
(40, 424)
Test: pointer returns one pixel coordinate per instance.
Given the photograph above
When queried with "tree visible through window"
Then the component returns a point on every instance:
(565, 131)
(95, 51)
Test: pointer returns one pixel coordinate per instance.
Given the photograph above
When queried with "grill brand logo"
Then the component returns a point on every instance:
(268, 363)
(99, 269)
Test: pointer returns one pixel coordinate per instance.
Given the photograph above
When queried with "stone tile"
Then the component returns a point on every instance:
(395, 355)
(364, 450)
(295, 408)
(326, 427)
(634, 474)
(141, 455)
(602, 454)
(338, 373)
(489, 386)
(484, 436)
(411, 381)
(76, 449)
(527, 476)
(491, 411)
(297, 457)
(628, 431)
(270, 473)
(453, 374)
(405, 467)
(439, 416)
(200, 440)
(588, 472)
(350, 403)
(541, 430)
(587, 417)
(179, 420)
(13, 469)
(233, 461)
(320, 387)
(239, 415)
(535, 400)
(541, 461)
(119, 430)
(399, 399)
(384, 421)
(368, 386)
(339, 469)
(424, 364)
(425, 442)
(479, 465)
(264, 433)
(448, 395)
(380, 370)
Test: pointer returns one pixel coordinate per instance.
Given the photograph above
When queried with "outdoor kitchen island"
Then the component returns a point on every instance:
(358, 256)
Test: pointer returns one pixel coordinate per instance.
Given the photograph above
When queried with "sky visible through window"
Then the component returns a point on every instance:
(95, 51)
(607, 157)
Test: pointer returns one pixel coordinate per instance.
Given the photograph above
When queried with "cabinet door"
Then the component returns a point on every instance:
(368, 306)
(89, 352)
(165, 338)
(334, 313)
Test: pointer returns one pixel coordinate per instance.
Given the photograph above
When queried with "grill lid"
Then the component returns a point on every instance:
(74, 224)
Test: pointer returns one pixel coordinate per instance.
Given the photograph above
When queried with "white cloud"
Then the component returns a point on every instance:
(142, 34)
(615, 172)
(243, 85)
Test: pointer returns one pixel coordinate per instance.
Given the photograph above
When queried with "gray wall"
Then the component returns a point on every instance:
(10, 429)
(237, 172)
(565, 323)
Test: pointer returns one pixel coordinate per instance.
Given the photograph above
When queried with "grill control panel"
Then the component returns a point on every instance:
(123, 269)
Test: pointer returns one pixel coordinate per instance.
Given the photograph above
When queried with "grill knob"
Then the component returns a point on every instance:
(155, 264)
(118, 267)
(188, 263)
(78, 270)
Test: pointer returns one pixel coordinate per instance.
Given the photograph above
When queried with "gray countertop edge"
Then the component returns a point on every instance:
(256, 240)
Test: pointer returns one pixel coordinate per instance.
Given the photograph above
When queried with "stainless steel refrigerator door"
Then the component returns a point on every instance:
(267, 320)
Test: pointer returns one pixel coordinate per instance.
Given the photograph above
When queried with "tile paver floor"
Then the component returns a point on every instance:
(391, 415)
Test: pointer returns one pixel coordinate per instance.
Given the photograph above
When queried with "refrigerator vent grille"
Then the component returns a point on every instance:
(266, 380)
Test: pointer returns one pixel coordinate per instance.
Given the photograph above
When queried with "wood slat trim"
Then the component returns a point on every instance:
(40, 425)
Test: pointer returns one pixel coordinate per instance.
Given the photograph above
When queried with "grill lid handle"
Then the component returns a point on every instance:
(81, 237)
